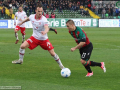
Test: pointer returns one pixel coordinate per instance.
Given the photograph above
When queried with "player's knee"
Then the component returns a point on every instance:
(82, 61)
(22, 46)
(15, 31)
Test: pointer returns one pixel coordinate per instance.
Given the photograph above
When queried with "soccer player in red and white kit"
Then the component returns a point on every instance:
(39, 36)
(21, 15)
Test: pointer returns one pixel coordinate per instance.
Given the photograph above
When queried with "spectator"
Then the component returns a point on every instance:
(87, 12)
(34, 8)
(96, 10)
(51, 7)
(60, 10)
(82, 12)
(86, 3)
(54, 8)
(30, 10)
(109, 11)
(77, 7)
(47, 15)
(81, 7)
(29, 4)
(73, 7)
(45, 6)
(78, 2)
(14, 5)
(70, 5)
(43, 2)
(11, 12)
(17, 4)
(103, 13)
(100, 7)
(3, 12)
(63, 5)
(26, 9)
(117, 12)
(114, 11)
(57, 5)
(66, 5)
(53, 15)
(1, 3)
(43, 13)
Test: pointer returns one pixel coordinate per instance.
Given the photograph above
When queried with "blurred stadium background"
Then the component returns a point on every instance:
(63, 8)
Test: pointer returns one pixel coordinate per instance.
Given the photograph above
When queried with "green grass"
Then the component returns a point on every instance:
(40, 71)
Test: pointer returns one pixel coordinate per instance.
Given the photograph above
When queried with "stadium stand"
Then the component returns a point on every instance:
(62, 8)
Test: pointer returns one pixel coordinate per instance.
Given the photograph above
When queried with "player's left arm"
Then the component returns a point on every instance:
(27, 19)
(79, 45)
(46, 30)
(45, 26)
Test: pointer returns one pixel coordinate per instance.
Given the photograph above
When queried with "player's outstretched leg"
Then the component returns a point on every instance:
(51, 29)
(21, 53)
(87, 67)
(16, 35)
(23, 33)
(56, 57)
(102, 65)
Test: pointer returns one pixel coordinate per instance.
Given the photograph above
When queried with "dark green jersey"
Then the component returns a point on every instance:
(80, 36)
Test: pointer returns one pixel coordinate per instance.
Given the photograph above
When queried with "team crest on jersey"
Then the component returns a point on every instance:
(77, 35)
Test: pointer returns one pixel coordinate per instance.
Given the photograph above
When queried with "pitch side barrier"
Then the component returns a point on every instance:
(109, 22)
(57, 22)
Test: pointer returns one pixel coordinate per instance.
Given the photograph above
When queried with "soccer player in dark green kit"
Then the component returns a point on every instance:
(85, 47)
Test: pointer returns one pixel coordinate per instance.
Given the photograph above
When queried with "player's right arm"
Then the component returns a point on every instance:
(27, 19)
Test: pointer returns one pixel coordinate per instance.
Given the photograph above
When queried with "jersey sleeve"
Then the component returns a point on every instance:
(81, 35)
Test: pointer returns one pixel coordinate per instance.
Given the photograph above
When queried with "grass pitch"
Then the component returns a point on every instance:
(39, 70)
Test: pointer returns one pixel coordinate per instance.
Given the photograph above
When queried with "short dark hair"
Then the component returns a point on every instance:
(38, 5)
(70, 22)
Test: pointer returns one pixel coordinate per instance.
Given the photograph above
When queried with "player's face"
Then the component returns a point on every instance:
(70, 27)
(39, 11)
(20, 9)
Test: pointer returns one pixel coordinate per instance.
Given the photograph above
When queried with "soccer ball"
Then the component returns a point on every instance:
(65, 72)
